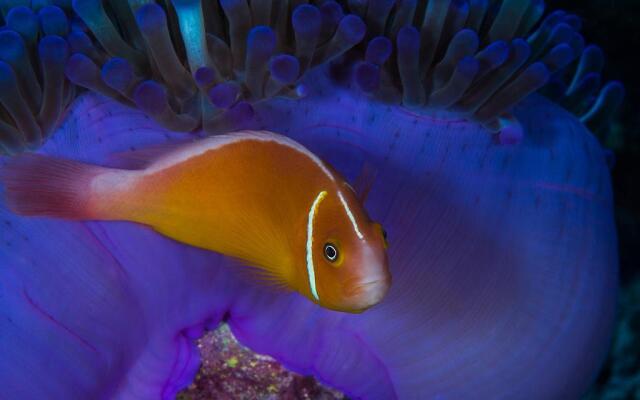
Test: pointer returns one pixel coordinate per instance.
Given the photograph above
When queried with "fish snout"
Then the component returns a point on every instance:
(367, 293)
(368, 283)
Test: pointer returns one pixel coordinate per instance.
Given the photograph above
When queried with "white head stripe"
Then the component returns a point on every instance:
(310, 268)
(350, 215)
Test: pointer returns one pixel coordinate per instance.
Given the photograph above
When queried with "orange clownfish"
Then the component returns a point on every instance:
(256, 196)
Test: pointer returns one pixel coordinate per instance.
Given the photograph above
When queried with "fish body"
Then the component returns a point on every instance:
(256, 196)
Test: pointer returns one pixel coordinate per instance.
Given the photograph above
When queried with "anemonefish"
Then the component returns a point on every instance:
(256, 196)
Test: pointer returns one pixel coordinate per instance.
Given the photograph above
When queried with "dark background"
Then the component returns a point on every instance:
(614, 25)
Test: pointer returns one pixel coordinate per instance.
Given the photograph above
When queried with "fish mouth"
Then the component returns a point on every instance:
(366, 285)
(368, 293)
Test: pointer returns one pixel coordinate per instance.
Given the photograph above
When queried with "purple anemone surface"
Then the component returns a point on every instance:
(503, 261)
(502, 247)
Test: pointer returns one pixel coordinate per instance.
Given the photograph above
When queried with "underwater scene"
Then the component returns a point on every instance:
(319, 199)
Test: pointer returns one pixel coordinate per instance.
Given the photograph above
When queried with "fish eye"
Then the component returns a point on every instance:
(330, 252)
(384, 234)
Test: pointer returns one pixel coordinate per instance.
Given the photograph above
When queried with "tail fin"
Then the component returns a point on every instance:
(46, 186)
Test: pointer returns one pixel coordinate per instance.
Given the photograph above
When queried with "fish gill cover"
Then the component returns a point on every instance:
(503, 257)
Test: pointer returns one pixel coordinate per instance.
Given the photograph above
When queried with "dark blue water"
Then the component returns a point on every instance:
(613, 26)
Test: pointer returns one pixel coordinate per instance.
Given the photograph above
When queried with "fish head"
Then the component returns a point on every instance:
(347, 263)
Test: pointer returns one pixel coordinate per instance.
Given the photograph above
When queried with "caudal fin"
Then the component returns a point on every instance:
(46, 186)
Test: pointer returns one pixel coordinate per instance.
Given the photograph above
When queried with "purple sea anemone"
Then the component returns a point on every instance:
(496, 199)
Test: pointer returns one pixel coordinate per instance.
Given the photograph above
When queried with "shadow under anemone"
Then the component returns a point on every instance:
(503, 257)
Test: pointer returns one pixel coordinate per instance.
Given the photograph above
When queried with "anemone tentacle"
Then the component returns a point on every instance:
(35, 91)
(474, 58)
(194, 51)
(580, 89)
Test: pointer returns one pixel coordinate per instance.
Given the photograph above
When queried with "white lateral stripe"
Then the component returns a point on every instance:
(310, 268)
(350, 215)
